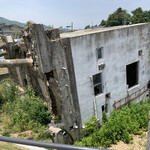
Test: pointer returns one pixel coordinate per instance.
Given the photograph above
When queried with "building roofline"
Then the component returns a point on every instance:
(96, 30)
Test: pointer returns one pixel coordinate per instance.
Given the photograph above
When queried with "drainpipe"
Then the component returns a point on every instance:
(94, 99)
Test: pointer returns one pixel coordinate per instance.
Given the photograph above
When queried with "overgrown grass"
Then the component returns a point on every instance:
(121, 126)
(23, 113)
(10, 146)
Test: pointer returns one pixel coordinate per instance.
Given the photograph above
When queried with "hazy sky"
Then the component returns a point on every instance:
(63, 12)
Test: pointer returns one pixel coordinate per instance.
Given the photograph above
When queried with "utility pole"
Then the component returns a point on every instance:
(70, 26)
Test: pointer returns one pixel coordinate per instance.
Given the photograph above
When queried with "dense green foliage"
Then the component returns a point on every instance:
(87, 27)
(25, 113)
(121, 126)
(121, 17)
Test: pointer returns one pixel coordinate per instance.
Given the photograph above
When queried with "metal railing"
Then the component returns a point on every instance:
(45, 145)
(129, 98)
(148, 136)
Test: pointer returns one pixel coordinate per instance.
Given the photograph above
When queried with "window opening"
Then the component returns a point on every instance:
(140, 52)
(100, 52)
(97, 83)
(105, 108)
(108, 95)
(132, 74)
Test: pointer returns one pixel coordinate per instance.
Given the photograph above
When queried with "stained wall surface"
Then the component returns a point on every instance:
(120, 47)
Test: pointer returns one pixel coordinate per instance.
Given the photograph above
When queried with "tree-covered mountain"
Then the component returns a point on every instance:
(11, 22)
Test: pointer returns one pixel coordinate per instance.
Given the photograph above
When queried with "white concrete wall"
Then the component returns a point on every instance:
(120, 48)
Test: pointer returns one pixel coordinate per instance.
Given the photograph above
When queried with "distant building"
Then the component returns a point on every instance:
(13, 30)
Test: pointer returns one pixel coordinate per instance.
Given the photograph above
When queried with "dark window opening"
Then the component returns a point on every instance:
(132, 74)
(25, 82)
(97, 82)
(148, 85)
(140, 52)
(100, 53)
(108, 95)
(52, 74)
(105, 108)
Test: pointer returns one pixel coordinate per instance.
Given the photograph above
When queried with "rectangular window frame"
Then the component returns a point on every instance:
(137, 75)
(98, 85)
(100, 52)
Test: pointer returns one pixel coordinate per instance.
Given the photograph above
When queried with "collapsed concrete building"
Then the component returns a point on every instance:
(82, 73)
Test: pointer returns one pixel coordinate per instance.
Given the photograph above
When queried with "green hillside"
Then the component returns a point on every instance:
(10, 22)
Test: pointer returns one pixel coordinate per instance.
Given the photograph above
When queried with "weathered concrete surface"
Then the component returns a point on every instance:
(53, 34)
(121, 46)
(2, 45)
(3, 53)
(55, 75)
(15, 62)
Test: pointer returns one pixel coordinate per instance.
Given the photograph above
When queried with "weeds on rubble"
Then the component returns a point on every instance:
(121, 126)
(23, 113)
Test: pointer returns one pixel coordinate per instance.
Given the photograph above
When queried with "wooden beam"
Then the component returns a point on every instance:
(3, 53)
(15, 62)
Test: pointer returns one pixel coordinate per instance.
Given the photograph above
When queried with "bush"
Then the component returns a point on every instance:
(6, 133)
(9, 91)
(121, 125)
(91, 126)
(25, 113)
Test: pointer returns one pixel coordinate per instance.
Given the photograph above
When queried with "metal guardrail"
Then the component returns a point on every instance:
(129, 98)
(45, 145)
(148, 136)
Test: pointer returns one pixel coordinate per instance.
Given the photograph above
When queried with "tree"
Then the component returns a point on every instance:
(119, 17)
(122, 17)
(140, 16)
(103, 23)
(50, 27)
(87, 27)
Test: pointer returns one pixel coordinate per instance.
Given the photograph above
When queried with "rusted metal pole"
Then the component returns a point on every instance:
(148, 136)
(3, 53)
(15, 62)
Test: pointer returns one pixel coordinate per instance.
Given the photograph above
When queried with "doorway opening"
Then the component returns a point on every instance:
(132, 74)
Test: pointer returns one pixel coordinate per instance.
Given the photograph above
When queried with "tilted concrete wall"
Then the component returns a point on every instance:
(52, 55)
(121, 47)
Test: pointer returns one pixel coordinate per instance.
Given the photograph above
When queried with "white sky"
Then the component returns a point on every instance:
(63, 12)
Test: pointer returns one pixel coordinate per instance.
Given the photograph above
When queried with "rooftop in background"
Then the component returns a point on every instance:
(95, 30)
(10, 29)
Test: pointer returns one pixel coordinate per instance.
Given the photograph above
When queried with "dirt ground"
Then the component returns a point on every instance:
(139, 143)
(10, 146)
(3, 70)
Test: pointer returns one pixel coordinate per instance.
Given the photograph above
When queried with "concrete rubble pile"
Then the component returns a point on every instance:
(38, 59)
